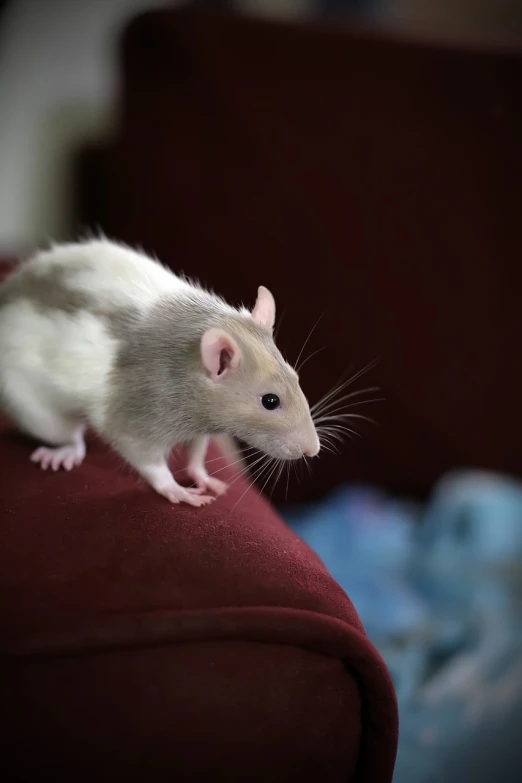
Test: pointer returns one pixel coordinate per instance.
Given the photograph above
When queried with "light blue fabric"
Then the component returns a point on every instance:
(366, 541)
(439, 591)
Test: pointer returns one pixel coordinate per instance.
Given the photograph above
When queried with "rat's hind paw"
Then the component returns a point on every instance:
(63, 456)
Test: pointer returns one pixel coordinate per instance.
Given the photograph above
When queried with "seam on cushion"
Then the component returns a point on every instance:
(309, 630)
(119, 630)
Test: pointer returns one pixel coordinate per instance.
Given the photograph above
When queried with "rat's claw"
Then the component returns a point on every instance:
(200, 500)
(62, 456)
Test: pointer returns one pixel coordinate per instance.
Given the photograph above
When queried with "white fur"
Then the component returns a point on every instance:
(121, 276)
(56, 363)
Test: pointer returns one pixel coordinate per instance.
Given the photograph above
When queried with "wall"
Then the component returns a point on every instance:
(58, 84)
(59, 87)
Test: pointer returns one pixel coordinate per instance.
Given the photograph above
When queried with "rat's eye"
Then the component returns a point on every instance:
(270, 401)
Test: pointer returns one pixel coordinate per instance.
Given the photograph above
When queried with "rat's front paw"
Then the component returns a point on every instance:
(215, 485)
(178, 494)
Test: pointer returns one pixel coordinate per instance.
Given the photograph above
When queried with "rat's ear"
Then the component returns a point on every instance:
(220, 353)
(264, 311)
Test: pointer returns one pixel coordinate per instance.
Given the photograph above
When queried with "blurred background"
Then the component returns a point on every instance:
(365, 158)
(59, 81)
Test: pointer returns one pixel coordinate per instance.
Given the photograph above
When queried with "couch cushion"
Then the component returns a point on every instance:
(149, 642)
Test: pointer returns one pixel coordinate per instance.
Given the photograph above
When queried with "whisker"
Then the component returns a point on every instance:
(326, 436)
(329, 447)
(331, 428)
(246, 470)
(306, 341)
(322, 433)
(241, 451)
(269, 477)
(310, 356)
(287, 480)
(250, 485)
(339, 387)
(258, 475)
(281, 470)
(228, 464)
(281, 464)
(320, 406)
(259, 471)
(231, 464)
(342, 411)
(341, 417)
(336, 429)
(342, 382)
(280, 321)
(335, 437)
(332, 451)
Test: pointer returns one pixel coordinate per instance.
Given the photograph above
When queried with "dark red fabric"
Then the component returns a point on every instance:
(154, 643)
(375, 182)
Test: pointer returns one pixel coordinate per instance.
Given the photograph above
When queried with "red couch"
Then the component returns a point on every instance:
(151, 643)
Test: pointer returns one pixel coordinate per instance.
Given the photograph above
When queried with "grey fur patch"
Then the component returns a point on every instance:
(52, 291)
(159, 390)
(47, 291)
(160, 394)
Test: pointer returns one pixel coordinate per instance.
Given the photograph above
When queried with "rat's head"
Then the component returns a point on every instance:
(253, 393)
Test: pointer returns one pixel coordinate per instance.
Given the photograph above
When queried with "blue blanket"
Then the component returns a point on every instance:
(439, 590)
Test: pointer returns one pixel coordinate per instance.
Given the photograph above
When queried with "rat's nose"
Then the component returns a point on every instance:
(312, 450)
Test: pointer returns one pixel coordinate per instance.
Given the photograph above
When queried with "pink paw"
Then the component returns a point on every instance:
(215, 485)
(208, 483)
(192, 496)
(63, 456)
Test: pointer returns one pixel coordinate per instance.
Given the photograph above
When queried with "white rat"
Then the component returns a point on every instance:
(97, 334)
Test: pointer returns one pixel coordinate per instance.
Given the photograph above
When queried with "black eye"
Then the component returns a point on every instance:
(270, 401)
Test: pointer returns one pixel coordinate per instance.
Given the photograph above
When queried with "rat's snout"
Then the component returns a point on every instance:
(297, 448)
(311, 445)
(313, 448)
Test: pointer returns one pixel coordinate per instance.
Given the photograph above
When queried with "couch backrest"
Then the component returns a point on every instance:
(375, 182)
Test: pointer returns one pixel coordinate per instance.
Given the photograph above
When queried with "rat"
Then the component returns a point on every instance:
(98, 334)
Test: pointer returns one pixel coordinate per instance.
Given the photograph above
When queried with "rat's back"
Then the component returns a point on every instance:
(110, 274)
(56, 340)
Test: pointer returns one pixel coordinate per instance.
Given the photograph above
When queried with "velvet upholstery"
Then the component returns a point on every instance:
(148, 642)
